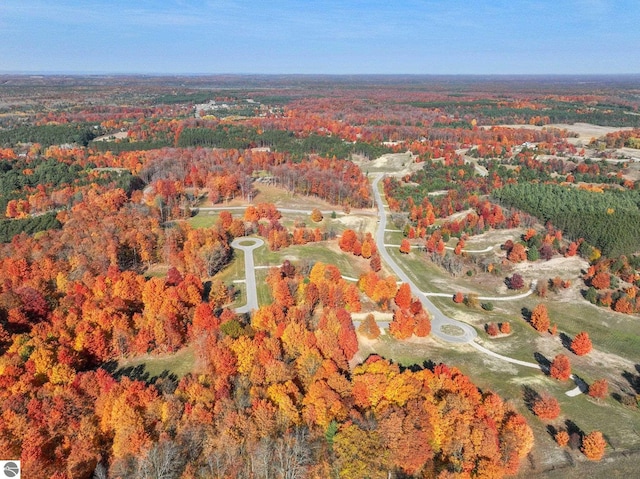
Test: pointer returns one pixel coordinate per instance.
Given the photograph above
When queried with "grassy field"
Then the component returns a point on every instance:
(150, 367)
(204, 219)
(616, 340)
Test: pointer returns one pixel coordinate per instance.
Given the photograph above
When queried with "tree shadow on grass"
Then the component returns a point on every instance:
(566, 341)
(633, 380)
(544, 363)
(428, 364)
(575, 434)
(530, 396)
(166, 381)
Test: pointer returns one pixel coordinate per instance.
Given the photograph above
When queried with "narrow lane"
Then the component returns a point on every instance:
(249, 271)
(442, 326)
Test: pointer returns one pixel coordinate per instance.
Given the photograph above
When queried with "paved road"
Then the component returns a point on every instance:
(466, 333)
(529, 292)
(438, 318)
(249, 271)
(281, 210)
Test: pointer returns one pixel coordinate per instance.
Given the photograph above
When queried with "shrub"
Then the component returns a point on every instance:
(599, 389)
(492, 329)
(515, 282)
(562, 438)
(546, 407)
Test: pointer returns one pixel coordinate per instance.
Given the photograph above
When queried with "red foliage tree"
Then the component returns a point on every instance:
(560, 368)
(375, 263)
(546, 407)
(599, 389)
(492, 329)
(405, 246)
(515, 281)
(403, 296)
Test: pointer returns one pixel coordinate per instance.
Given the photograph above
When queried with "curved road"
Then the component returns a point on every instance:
(465, 333)
(249, 271)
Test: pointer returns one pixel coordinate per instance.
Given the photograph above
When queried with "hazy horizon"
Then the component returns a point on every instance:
(283, 37)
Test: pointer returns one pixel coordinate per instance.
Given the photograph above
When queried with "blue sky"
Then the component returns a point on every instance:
(332, 37)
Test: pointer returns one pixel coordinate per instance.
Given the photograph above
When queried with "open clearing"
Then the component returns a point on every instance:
(616, 337)
(585, 131)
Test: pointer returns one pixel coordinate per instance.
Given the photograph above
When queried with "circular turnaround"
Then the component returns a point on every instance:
(247, 245)
(11, 469)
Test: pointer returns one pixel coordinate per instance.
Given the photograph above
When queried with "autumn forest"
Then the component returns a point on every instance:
(320, 277)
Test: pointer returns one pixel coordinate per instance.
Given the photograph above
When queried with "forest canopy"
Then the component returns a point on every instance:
(609, 220)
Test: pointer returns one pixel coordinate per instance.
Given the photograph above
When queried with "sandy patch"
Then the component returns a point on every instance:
(362, 224)
(120, 135)
(378, 316)
(394, 163)
(585, 131)
(559, 266)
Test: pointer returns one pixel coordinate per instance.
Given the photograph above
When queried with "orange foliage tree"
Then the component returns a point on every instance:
(593, 445)
(581, 344)
(405, 246)
(598, 389)
(518, 253)
(540, 318)
(369, 327)
(560, 368)
(562, 438)
(403, 296)
(546, 407)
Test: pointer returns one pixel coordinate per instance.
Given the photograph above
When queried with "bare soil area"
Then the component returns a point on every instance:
(585, 131)
(120, 135)
(395, 163)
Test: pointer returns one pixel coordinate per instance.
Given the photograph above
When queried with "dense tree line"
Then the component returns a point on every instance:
(120, 146)
(29, 178)
(609, 220)
(47, 135)
(239, 137)
(13, 227)
(510, 111)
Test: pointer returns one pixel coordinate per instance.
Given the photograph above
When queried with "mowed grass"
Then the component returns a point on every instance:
(262, 288)
(609, 331)
(348, 264)
(204, 219)
(148, 367)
